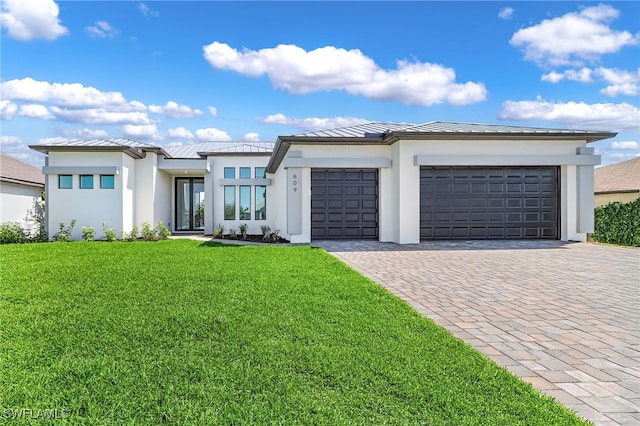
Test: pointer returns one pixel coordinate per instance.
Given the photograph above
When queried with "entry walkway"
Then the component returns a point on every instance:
(564, 317)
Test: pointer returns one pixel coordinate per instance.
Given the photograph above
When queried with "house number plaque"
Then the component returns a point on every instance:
(294, 201)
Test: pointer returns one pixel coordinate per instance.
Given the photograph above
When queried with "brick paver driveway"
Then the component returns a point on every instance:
(563, 317)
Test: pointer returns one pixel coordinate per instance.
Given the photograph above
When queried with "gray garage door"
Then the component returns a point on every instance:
(344, 204)
(488, 202)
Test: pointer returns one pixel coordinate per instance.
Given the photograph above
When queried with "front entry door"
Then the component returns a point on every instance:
(189, 204)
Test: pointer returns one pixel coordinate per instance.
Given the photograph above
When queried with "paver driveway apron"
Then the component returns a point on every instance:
(562, 316)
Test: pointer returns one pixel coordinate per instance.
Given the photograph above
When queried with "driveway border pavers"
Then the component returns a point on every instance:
(562, 316)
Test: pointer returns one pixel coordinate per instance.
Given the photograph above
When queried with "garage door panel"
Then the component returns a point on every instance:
(489, 202)
(344, 204)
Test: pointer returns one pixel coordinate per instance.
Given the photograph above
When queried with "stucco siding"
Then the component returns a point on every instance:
(16, 201)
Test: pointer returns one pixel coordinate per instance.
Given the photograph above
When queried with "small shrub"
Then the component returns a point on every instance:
(65, 231)
(12, 233)
(88, 233)
(148, 233)
(266, 232)
(243, 230)
(162, 231)
(233, 233)
(219, 231)
(275, 235)
(130, 236)
(109, 233)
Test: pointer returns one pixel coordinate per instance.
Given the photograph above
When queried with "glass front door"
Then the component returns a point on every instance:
(189, 204)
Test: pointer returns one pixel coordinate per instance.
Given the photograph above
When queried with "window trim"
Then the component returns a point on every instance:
(232, 169)
(224, 204)
(256, 204)
(247, 171)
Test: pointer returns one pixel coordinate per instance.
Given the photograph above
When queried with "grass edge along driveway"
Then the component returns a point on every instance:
(184, 332)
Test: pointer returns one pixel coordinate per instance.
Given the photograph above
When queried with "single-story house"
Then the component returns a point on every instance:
(617, 182)
(399, 183)
(21, 187)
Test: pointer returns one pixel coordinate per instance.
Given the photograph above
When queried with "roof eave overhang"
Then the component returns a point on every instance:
(555, 136)
(46, 149)
(205, 154)
(284, 142)
(21, 182)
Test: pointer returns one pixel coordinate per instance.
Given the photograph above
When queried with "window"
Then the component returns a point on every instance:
(86, 181)
(245, 202)
(261, 173)
(245, 172)
(65, 181)
(107, 182)
(261, 203)
(229, 203)
(229, 172)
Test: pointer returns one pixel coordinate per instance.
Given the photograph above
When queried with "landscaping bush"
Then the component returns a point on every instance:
(618, 223)
(12, 233)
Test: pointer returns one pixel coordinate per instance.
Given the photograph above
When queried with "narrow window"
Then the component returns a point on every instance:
(86, 181)
(245, 172)
(229, 172)
(107, 181)
(229, 203)
(261, 173)
(245, 202)
(65, 181)
(261, 203)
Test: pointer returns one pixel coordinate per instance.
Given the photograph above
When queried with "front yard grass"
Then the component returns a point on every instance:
(182, 332)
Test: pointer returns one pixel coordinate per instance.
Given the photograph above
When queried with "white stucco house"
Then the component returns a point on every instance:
(399, 183)
(21, 187)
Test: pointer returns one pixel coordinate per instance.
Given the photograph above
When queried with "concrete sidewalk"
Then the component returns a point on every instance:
(561, 316)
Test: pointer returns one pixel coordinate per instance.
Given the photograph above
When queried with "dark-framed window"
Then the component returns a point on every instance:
(65, 181)
(229, 172)
(261, 203)
(107, 181)
(245, 202)
(261, 172)
(86, 181)
(245, 172)
(230, 202)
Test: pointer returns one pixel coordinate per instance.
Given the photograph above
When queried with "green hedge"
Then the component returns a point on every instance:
(618, 223)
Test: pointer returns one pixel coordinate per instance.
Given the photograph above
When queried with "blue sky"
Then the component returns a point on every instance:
(169, 72)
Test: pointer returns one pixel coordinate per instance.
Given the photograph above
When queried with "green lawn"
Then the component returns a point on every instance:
(181, 332)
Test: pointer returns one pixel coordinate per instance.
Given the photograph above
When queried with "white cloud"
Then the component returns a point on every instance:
(6, 140)
(100, 116)
(621, 82)
(7, 109)
(600, 116)
(31, 19)
(506, 13)
(36, 111)
(625, 145)
(180, 133)
(174, 110)
(296, 70)
(141, 131)
(211, 134)
(253, 137)
(102, 29)
(574, 38)
(213, 111)
(147, 11)
(90, 133)
(314, 123)
(73, 95)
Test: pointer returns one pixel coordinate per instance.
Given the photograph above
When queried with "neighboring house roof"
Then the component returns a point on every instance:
(13, 170)
(619, 177)
(376, 133)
